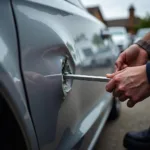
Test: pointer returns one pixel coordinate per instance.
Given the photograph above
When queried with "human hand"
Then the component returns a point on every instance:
(129, 84)
(132, 56)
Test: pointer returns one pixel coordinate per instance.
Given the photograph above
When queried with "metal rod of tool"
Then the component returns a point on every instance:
(86, 77)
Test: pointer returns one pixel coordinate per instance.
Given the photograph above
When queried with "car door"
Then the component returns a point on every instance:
(54, 35)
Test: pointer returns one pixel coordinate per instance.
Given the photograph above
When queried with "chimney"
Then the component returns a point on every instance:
(131, 11)
(131, 19)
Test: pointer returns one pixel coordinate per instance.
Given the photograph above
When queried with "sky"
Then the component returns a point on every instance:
(113, 9)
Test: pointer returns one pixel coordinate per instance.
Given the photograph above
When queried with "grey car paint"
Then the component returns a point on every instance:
(50, 30)
(11, 84)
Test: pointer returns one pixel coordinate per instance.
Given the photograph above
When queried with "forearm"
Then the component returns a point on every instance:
(147, 39)
(148, 71)
(144, 43)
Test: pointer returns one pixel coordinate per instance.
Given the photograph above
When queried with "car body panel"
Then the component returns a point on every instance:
(75, 2)
(10, 77)
(50, 32)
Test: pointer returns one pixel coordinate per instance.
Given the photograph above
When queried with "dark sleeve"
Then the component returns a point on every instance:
(148, 71)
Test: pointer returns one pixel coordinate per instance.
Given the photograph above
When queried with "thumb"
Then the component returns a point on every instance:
(108, 75)
(111, 75)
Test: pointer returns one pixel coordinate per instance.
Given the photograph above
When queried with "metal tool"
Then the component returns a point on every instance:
(86, 77)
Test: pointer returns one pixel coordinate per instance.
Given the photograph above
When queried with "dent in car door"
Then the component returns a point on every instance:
(48, 32)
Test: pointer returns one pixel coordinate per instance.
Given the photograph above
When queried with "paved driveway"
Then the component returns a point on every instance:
(131, 119)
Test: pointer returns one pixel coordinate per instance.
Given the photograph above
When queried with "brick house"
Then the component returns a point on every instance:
(95, 11)
(128, 23)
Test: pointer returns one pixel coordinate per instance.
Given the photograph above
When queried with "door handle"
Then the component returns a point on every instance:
(86, 77)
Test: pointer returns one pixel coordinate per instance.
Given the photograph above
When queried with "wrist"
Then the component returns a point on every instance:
(142, 51)
(144, 45)
(140, 48)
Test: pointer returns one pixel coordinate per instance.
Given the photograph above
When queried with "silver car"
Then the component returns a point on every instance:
(141, 33)
(39, 109)
(120, 37)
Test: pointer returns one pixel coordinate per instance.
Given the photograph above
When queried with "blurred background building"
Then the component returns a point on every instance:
(129, 23)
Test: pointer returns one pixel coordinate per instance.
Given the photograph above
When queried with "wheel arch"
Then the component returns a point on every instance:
(18, 106)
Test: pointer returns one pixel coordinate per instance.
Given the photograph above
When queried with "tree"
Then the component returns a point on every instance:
(144, 22)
